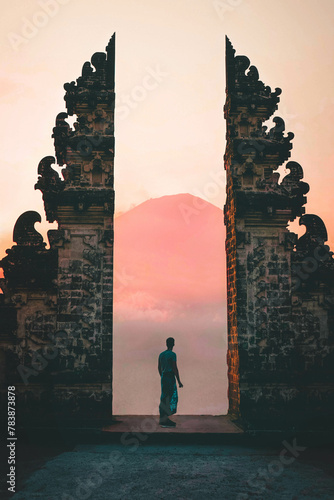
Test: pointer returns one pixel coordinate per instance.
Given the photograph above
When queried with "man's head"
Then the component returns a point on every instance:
(170, 342)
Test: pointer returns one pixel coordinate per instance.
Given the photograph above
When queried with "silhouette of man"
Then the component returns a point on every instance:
(168, 370)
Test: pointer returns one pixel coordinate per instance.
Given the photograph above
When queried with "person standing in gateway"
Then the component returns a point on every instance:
(168, 370)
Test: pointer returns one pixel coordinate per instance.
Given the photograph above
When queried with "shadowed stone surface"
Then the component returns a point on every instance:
(182, 472)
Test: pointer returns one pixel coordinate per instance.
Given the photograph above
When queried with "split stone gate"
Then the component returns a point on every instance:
(56, 306)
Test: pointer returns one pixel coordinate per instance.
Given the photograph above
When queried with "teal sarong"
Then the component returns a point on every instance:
(169, 397)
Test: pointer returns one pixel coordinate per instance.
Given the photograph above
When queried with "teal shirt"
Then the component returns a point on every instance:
(166, 359)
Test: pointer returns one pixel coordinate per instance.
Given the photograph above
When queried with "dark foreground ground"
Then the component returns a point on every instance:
(141, 465)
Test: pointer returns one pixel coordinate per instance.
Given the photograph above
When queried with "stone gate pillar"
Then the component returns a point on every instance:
(83, 205)
(274, 380)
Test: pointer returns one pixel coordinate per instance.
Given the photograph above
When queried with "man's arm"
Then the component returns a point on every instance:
(159, 367)
(176, 373)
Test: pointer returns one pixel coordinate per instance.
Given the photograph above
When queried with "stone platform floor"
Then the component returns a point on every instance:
(185, 424)
(203, 457)
(182, 472)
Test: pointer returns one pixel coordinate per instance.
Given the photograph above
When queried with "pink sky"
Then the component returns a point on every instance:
(170, 281)
(170, 83)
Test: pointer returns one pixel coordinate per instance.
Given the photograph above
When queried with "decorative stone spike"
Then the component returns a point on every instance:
(25, 234)
(315, 231)
(50, 184)
(28, 264)
(245, 89)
